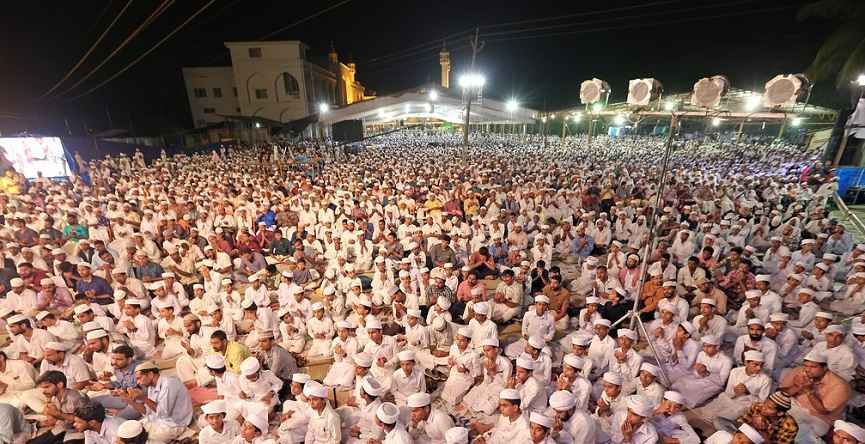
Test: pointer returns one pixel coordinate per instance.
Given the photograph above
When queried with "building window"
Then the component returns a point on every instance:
(217, 92)
(255, 53)
(290, 84)
(200, 93)
(261, 93)
(209, 110)
(235, 91)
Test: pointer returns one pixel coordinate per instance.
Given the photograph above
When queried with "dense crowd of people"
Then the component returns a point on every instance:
(420, 291)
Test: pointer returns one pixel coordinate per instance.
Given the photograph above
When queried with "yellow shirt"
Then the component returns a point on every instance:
(235, 353)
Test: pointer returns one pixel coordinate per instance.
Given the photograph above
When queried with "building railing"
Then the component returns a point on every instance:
(851, 216)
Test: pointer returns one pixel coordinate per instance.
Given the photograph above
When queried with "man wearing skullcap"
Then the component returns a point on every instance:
(819, 395)
(59, 358)
(839, 356)
(219, 429)
(634, 424)
(427, 423)
(708, 376)
(746, 385)
(755, 340)
(465, 367)
(844, 431)
(17, 377)
(572, 424)
(481, 326)
(324, 424)
(166, 407)
(407, 379)
(772, 418)
(511, 425)
(670, 422)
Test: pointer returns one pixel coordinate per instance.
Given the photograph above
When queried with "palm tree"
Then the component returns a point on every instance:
(842, 55)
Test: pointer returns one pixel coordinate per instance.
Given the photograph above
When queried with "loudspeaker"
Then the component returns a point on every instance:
(348, 131)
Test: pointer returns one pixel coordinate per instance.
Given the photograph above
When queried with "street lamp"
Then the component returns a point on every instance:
(472, 81)
(619, 120)
(670, 105)
(433, 95)
(323, 107)
(860, 80)
(577, 117)
(512, 105)
(472, 85)
(797, 121)
(597, 107)
(716, 121)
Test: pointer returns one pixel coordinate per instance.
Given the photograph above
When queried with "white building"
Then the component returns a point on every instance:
(270, 80)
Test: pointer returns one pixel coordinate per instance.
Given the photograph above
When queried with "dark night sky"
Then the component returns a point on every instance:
(748, 40)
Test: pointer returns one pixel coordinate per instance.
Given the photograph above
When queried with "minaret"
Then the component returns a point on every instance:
(445, 62)
(337, 73)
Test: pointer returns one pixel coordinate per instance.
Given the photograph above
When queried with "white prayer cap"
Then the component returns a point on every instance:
(46, 281)
(650, 368)
(541, 419)
(542, 298)
(763, 278)
(640, 405)
(214, 361)
(300, 378)
(798, 278)
(835, 328)
(851, 429)
(822, 266)
(593, 300)
(674, 396)
(574, 361)
(750, 294)
(371, 386)
(214, 407)
(96, 334)
(444, 303)
(830, 256)
(53, 345)
(858, 329)
(481, 308)
(825, 315)
(474, 291)
(536, 342)
(90, 326)
(669, 284)
(779, 317)
(258, 419)
(510, 394)
(373, 324)
(816, 356)
(524, 361)
(160, 303)
(418, 400)
(628, 333)
(755, 321)
(751, 433)
(613, 378)
(666, 305)
(808, 241)
(754, 355)
(406, 355)
(562, 400)
(130, 429)
(356, 283)
(329, 273)
(711, 340)
(16, 282)
(42, 315)
(709, 301)
(169, 274)
(489, 342)
(342, 324)
(581, 340)
(317, 306)
(438, 323)
(197, 287)
(413, 312)
(466, 268)
(750, 249)
(314, 389)
(225, 281)
(457, 435)
(249, 366)
(387, 413)
(602, 322)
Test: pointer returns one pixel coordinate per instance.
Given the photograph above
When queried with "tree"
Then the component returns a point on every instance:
(842, 54)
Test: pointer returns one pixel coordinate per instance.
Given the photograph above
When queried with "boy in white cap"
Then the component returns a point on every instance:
(343, 348)
(571, 424)
(670, 422)
(258, 388)
(464, 363)
(647, 384)
(709, 374)
(847, 432)
(496, 369)
(625, 361)
(407, 379)
(540, 427)
(533, 393)
(839, 355)
(511, 426)
(140, 329)
(746, 434)
(320, 329)
(601, 347)
(752, 308)
(481, 326)
(294, 417)
(359, 423)
(219, 429)
(441, 339)
(633, 425)
(745, 386)
(292, 332)
(807, 309)
(255, 429)
(708, 322)
(457, 435)
(508, 298)
(63, 330)
(387, 417)
(426, 424)
(324, 424)
(132, 432)
(611, 400)
(537, 322)
(416, 336)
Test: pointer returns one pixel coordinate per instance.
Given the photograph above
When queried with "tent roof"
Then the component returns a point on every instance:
(415, 103)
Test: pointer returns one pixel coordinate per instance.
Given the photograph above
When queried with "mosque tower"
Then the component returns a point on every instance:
(445, 62)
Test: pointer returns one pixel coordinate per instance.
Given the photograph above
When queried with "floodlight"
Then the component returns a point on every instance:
(512, 105)
(670, 105)
(597, 107)
(797, 121)
(860, 80)
(427, 107)
(643, 91)
(619, 120)
(472, 80)
(785, 89)
(716, 121)
(753, 102)
(323, 107)
(433, 95)
(577, 117)
(406, 107)
(258, 124)
(594, 90)
(382, 114)
(709, 90)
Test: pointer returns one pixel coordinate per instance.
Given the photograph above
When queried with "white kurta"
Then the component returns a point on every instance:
(729, 406)
(697, 389)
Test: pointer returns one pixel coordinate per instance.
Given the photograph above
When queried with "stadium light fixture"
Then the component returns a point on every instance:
(860, 80)
(433, 95)
(258, 124)
(753, 102)
(670, 105)
(577, 117)
(512, 105)
(597, 107)
(323, 108)
(716, 121)
(797, 121)
(472, 80)
(619, 120)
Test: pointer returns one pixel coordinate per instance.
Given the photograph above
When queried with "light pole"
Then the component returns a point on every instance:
(472, 84)
(511, 106)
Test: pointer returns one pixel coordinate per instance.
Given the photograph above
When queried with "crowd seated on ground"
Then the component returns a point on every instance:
(420, 291)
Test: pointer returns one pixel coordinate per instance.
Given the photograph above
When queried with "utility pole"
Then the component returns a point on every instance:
(476, 48)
